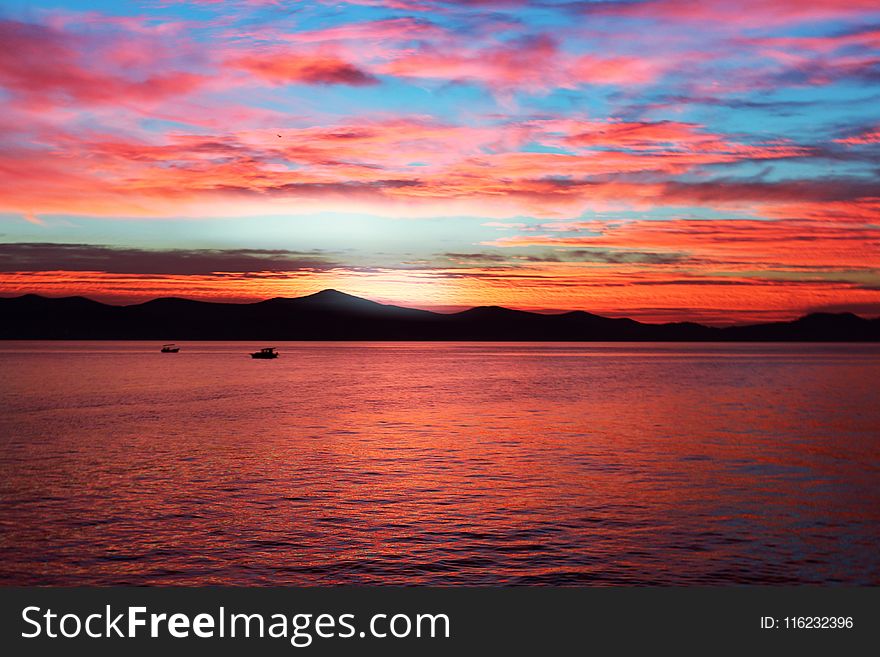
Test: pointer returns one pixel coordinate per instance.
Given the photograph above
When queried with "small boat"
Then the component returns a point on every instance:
(266, 352)
(170, 348)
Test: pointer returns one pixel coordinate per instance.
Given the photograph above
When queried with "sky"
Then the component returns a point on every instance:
(659, 159)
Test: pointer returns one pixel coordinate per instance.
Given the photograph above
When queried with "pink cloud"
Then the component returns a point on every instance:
(42, 66)
(817, 44)
(868, 136)
(742, 13)
(401, 165)
(31, 218)
(393, 29)
(285, 67)
(533, 64)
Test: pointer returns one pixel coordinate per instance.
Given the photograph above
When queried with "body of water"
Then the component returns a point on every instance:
(430, 463)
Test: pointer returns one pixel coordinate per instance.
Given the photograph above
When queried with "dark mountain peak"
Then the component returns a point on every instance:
(169, 302)
(324, 296)
(492, 311)
(333, 296)
(580, 314)
(582, 317)
(39, 299)
(26, 299)
(335, 300)
(829, 317)
(830, 321)
(334, 315)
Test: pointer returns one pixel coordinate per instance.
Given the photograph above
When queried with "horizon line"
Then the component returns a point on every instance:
(548, 311)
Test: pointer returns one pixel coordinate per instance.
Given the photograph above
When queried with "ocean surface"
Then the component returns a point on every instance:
(431, 463)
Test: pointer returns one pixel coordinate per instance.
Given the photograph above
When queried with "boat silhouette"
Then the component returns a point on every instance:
(266, 352)
(170, 348)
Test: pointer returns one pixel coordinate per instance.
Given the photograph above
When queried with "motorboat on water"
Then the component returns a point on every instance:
(266, 352)
(170, 348)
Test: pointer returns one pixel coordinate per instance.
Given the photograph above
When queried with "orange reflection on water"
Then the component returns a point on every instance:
(440, 464)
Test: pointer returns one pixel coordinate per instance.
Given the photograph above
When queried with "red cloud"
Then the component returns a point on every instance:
(731, 244)
(639, 135)
(405, 165)
(42, 66)
(284, 67)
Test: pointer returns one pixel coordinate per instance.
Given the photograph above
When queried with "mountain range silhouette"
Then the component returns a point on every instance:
(334, 315)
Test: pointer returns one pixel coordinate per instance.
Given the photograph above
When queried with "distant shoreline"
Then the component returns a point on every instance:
(334, 316)
(253, 342)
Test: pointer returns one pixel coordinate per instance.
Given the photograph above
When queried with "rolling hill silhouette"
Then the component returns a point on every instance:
(333, 315)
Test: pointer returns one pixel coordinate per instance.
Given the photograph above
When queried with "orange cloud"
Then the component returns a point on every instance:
(731, 245)
(411, 166)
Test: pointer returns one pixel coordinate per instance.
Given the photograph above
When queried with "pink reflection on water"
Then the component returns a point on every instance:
(408, 463)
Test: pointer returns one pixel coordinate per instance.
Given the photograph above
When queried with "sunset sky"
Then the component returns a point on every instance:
(659, 159)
